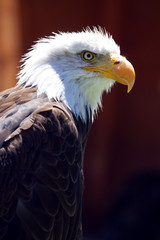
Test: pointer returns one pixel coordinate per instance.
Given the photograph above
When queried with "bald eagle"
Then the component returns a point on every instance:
(44, 123)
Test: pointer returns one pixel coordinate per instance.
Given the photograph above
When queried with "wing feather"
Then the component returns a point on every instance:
(40, 171)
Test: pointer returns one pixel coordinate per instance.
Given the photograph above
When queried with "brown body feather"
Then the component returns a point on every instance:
(41, 177)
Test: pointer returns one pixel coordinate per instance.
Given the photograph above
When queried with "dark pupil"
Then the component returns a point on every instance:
(88, 55)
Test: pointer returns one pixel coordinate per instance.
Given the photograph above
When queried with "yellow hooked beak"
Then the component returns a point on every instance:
(117, 68)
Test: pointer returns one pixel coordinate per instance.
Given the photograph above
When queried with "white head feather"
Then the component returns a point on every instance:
(54, 66)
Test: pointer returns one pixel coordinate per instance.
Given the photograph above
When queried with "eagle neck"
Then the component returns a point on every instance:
(58, 86)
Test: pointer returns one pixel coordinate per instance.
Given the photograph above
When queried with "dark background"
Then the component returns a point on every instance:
(124, 142)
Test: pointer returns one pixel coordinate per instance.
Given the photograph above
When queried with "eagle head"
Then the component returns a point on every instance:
(76, 68)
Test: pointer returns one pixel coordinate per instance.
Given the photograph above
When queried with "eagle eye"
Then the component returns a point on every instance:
(88, 56)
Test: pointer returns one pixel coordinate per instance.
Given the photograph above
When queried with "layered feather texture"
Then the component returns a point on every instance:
(40, 167)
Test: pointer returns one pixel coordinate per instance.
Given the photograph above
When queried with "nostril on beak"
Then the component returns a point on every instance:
(117, 62)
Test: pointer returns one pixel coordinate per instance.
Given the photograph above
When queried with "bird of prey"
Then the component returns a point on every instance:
(44, 124)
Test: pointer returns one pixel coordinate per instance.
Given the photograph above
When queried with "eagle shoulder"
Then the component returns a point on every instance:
(40, 168)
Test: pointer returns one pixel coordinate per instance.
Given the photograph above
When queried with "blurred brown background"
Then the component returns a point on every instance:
(125, 139)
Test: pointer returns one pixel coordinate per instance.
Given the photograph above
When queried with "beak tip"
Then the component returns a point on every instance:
(129, 89)
(130, 85)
